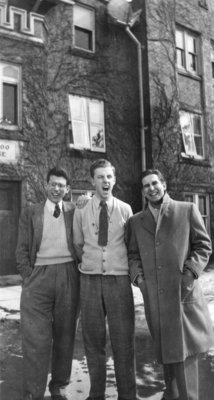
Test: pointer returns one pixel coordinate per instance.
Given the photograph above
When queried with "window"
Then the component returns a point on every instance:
(192, 134)
(202, 201)
(187, 49)
(212, 57)
(10, 95)
(84, 28)
(86, 123)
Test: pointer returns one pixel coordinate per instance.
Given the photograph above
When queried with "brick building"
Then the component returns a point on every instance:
(180, 77)
(70, 79)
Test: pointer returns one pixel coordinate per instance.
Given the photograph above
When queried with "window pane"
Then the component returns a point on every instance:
(179, 39)
(10, 103)
(79, 119)
(78, 108)
(197, 125)
(202, 205)
(199, 145)
(212, 53)
(83, 39)
(83, 17)
(191, 44)
(212, 70)
(187, 132)
(180, 57)
(198, 134)
(96, 112)
(80, 134)
(192, 62)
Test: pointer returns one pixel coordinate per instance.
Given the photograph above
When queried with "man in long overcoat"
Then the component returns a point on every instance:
(168, 247)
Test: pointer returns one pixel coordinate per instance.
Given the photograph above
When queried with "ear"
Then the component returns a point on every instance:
(68, 188)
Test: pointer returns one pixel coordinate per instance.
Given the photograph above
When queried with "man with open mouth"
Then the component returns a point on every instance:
(105, 284)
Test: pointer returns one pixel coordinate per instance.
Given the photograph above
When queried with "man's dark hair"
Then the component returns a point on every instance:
(154, 172)
(100, 163)
(60, 172)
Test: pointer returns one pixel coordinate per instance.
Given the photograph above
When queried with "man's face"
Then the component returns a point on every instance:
(104, 181)
(153, 188)
(56, 188)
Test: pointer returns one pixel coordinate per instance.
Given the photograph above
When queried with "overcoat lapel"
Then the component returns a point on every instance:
(147, 221)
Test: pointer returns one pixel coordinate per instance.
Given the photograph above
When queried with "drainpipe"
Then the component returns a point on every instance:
(36, 5)
(142, 132)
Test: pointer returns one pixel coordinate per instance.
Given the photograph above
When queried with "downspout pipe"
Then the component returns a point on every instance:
(36, 5)
(142, 129)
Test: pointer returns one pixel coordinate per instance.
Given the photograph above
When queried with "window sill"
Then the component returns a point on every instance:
(15, 134)
(188, 74)
(81, 52)
(83, 152)
(185, 158)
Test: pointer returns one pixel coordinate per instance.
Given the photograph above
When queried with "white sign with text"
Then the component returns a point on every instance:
(9, 151)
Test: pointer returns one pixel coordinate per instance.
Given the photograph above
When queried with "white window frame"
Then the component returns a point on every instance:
(5, 123)
(86, 24)
(186, 52)
(189, 136)
(195, 197)
(87, 127)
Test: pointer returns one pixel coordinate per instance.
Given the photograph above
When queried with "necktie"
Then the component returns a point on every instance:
(103, 224)
(57, 211)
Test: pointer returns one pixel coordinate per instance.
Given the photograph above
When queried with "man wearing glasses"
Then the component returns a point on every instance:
(50, 293)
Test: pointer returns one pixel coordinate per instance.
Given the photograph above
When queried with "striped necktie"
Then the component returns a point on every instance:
(103, 224)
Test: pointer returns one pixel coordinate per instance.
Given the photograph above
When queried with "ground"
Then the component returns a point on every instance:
(149, 374)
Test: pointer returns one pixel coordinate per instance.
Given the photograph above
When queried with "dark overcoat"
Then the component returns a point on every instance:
(177, 316)
(30, 235)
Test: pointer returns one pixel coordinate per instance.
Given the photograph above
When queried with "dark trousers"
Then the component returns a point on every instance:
(111, 297)
(49, 312)
(182, 380)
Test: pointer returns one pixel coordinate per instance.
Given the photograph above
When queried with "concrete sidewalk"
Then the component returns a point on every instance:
(148, 373)
(10, 292)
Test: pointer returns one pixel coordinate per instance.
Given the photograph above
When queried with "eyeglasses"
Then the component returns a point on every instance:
(55, 184)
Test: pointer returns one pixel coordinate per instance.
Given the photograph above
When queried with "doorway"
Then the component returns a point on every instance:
(9, 218)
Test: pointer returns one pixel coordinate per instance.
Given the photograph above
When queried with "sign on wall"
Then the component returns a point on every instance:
(9, 151)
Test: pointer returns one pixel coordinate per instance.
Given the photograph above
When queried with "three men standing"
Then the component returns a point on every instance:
(50, 294)
(168, 247)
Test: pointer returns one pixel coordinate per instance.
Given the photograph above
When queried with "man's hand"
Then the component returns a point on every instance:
(187, 284)
(82, 200)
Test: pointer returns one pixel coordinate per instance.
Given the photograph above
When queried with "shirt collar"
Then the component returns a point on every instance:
(51, 206)
(97, 200)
